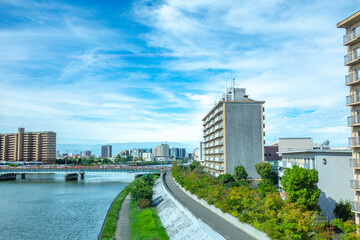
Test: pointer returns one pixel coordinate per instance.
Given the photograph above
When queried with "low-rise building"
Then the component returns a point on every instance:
(148, 156)
(334, 172)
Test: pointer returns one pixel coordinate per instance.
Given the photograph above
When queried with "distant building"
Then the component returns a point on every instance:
(352, 79)
(106, 151)
(233, 133)
(147, 156)
(162, 151)
(201, 152)
(124, 153)
(333, 169)
(271, 156)
(28, 146)
(197, 154)
(86, 154)
(290, 144)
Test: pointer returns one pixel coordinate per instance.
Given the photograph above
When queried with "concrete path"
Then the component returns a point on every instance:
(122, 223)
(217, 223)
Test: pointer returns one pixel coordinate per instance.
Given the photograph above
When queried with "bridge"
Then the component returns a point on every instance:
(70, 170)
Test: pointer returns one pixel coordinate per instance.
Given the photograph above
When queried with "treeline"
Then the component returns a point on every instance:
(296, 215)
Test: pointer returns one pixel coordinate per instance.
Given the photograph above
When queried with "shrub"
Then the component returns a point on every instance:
(343, 210)
(144, 203)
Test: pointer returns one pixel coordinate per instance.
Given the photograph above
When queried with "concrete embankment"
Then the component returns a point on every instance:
(178, 221)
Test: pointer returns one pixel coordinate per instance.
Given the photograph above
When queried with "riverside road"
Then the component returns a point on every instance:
(223, 227)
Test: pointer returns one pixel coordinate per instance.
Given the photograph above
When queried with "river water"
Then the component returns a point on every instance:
(44, 206)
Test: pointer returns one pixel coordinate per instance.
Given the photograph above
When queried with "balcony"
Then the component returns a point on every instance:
(354, 141)
(354, 162)
(353, 99)
(352, 37)
(353, 120)
(352, 78)
(355, 206)
(354, 184)
(352, 58)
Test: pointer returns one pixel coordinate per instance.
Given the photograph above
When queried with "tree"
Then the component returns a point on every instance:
(265, 171)
(342, 210)
(301, 185)
(240, 173)
(129, 158)
(194, 165)
(226, 178)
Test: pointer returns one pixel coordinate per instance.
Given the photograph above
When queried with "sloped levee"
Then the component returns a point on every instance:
(178, 221)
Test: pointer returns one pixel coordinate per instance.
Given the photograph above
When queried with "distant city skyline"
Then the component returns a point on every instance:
(139, 71)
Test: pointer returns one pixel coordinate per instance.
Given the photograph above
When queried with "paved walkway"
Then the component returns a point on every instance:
(122, 223)
(217, 223)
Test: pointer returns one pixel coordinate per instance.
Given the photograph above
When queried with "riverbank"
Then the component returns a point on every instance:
(142, 218)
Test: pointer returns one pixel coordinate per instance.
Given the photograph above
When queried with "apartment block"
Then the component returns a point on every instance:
(352, 60)
(28, 146)
(106, 151)
(233, 134)
(162, 151)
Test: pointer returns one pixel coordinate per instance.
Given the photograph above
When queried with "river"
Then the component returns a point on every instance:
(45, 207)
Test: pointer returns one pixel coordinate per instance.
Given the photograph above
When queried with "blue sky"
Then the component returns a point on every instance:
(141, 71)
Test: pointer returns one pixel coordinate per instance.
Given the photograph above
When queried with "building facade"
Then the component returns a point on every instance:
(86, 154)
(233, 133)
(106, 151)
(352, 60)
(28, 146)
(148, 156)
(334, 174)
(162, 151)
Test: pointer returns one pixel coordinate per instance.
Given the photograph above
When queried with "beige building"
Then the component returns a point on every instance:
(28, 146)
(233, 133)
(291, 144)
(352, 61)
(162, 151)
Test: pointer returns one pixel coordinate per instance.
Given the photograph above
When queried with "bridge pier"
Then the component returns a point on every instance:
(71, 177)
(22, 175)
(82, 176)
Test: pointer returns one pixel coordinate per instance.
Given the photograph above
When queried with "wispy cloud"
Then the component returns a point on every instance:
(149, 70)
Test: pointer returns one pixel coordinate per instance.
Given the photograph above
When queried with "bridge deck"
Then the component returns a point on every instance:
(80, 169)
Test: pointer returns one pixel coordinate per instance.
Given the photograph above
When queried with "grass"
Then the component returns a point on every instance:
(108, 232)
(145, 224)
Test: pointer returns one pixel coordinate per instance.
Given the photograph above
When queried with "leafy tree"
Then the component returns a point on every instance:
(266, 186)
(240, 173)
(342, 210)
(301, 185)
(129, 158)
(226, 178)
(265, 171)
(106, 160)
(194, 165)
